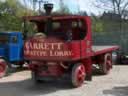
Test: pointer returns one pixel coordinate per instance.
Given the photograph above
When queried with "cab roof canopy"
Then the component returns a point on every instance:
(43, 18)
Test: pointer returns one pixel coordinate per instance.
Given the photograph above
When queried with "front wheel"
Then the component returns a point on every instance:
(78, 75)
(3, 68)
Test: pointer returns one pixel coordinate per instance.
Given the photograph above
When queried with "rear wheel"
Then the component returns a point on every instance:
(3, 68)
(107, 65)
(78, 75)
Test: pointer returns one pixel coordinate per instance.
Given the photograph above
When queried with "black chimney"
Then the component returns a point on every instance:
(48, 8)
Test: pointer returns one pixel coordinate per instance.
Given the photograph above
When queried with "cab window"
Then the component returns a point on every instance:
(56, 25)
(78, 30)
(14, 39)
(4, 39)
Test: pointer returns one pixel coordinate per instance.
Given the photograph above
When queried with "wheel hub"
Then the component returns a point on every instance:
(81, 74)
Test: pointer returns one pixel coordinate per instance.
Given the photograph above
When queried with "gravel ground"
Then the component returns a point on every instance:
(20, 84)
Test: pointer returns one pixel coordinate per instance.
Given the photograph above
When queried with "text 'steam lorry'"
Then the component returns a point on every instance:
(64, 46)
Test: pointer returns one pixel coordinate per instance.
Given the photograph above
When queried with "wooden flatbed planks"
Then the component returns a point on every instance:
(97, 50)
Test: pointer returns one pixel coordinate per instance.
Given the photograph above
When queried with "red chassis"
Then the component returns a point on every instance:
(65, 49)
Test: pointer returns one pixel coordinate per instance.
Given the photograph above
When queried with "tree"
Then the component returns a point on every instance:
(116, 6)
(119, 7)
(63, 8)
(97, 24)
(11, 12)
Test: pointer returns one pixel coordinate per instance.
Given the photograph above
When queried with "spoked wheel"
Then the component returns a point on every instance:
(107, 65)
(3, 68)
(78, 75)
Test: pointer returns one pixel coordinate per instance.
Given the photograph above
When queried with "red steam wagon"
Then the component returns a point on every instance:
(63, 45)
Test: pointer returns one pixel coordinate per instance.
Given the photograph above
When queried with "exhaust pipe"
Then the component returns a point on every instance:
(48, 8)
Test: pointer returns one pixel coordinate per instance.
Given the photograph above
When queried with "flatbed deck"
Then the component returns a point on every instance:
(97, 50)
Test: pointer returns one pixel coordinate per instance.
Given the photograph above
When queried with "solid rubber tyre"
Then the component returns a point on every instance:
(107, 65)
(78, 75)
(3, 68)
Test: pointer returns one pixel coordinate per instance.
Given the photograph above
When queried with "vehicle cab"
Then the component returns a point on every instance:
(67, 37)
(11, 45)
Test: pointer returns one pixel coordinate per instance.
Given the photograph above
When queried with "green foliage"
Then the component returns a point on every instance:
(97, 24)
(10, 23)
(108, 24)
(99, 27)
(11, 12)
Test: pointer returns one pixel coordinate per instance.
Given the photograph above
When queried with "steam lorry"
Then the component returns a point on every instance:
(63, 45)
